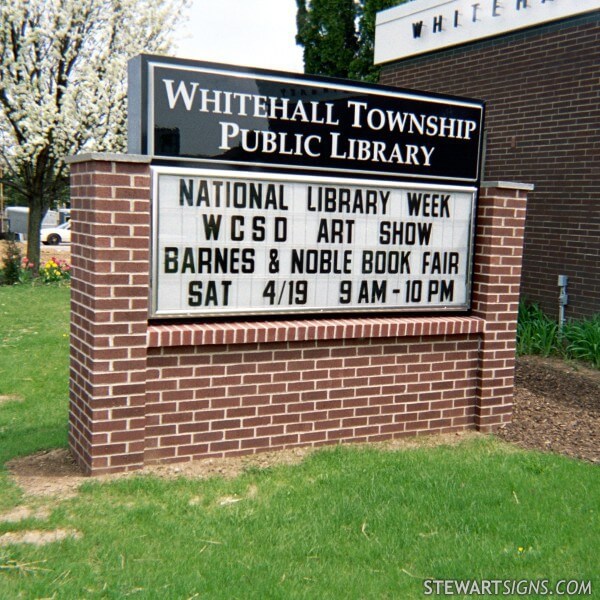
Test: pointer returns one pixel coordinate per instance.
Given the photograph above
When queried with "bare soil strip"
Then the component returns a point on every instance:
(37, 537)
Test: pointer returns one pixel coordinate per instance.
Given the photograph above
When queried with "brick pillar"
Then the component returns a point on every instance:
(110, 200)
(496, 282)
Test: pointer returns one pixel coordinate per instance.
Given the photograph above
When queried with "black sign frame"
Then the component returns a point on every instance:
(299, 124)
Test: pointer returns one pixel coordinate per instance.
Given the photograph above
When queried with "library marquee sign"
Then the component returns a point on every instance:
(277, 193)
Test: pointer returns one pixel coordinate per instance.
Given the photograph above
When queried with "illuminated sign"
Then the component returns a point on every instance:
(276, 193)
(428, 25)
(234, 243)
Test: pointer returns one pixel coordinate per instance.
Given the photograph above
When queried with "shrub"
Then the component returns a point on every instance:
(582, 340)
(536, 332)
(10, 272)
(539, 334)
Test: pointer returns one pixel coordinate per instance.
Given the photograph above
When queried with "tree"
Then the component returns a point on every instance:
(338, 36)
(362, 66)
(63, 66)
(326, 31)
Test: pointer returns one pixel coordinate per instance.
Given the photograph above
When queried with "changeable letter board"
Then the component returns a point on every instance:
(233, 243)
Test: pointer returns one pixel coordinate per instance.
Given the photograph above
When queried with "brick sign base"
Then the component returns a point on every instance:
(144, 393)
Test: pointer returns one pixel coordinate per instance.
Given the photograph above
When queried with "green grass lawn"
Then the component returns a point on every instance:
(348, 522)
(34, 370)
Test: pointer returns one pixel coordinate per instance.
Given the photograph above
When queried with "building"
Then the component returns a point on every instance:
(536, 64)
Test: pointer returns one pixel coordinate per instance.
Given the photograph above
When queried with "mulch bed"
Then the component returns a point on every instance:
(557, 408)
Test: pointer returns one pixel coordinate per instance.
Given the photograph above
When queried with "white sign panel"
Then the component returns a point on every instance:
(233, 243)
(428, 25)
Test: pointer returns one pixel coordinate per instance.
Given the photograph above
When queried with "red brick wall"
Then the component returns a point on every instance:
(144, 392)
(206, 400)
(542, 114)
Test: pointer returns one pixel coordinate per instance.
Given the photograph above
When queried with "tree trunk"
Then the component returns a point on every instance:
(36, 215)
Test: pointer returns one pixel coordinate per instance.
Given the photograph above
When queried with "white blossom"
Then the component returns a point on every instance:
(63, 80)
(63, 71)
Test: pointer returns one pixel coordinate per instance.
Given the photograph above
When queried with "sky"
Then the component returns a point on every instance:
(253, 33)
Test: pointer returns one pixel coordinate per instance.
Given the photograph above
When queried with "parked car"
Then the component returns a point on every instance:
(56, 235)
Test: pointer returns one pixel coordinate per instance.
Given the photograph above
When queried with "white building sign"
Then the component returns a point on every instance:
(234, 243)
(428, 25)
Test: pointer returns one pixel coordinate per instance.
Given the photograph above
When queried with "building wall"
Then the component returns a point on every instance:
(542, 92)
(145, 391)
